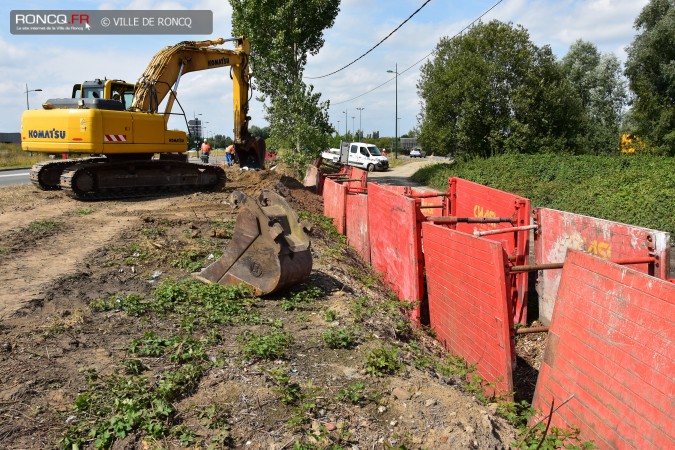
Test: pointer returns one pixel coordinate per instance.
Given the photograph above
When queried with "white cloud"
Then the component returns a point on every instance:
(55, 64)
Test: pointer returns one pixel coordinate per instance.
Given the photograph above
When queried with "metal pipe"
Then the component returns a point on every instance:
(624, 261)
(427, 194)
(530, 330)
(505, 230)
(454, 219)
(430, 206)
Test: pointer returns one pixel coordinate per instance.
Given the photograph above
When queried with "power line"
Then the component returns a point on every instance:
(422, 59)
(374, 47)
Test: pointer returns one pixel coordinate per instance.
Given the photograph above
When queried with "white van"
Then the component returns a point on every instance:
(365, 156)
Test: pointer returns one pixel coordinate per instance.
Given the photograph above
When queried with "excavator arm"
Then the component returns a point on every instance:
(162, 76)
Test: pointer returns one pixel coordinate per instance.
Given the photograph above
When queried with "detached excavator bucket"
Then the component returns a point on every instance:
(269, 249)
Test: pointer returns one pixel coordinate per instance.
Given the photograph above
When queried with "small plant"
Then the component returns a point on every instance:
(352, 394)
(45, 227)
(303, 297)
(132, 304)
(272, 345)
(382, 361)
(339, 338)
(134, 366)
(214, 417)
(289, 392)
(330, 315)
(153, 232)
(190, 260)
(360, 308)
(84, 211)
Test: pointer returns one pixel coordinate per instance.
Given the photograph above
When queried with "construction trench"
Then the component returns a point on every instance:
(462, 258)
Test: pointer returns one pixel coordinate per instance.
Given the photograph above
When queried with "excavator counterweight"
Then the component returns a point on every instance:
(269, 249)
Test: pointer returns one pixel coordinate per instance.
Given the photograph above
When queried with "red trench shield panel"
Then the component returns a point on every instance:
(610, 354)
(395, 242)
(468, 308)
(334, 195)
(605, 239)
(468, 199)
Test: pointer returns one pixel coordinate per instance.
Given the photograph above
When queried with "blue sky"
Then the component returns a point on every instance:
(55, 63)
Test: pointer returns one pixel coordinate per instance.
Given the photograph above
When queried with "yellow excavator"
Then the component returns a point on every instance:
(123, 133)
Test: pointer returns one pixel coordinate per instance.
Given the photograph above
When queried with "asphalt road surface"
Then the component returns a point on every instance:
(14, 177)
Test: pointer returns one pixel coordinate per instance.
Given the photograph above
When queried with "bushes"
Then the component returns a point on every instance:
(634, 189)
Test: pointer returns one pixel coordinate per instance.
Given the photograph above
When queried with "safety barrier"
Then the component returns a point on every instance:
(608, 364)
(395, 242)
(334, 195)
(560, 231)
(357, 224)
(462, 255)
(468, 308)
(335, 188)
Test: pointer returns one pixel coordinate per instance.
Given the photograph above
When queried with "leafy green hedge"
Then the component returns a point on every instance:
(634, 189)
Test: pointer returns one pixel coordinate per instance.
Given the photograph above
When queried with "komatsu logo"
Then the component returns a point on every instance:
(47, 134)
(218, 62)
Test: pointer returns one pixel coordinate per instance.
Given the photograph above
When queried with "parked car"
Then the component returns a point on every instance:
(417, 153)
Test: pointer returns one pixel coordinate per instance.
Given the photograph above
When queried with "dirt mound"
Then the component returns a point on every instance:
(106, 341)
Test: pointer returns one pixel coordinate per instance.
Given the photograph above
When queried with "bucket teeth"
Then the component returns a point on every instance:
(269, 249)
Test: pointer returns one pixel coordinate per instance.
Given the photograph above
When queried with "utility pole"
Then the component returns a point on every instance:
(360, 129)
(396, 116)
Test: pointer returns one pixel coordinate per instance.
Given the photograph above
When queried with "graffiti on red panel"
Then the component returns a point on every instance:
(480, 211)
(593, 247)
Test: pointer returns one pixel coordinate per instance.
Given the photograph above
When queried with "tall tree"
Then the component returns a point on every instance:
(283, 33)
(650, 68)
(598, 83)
(492, 91)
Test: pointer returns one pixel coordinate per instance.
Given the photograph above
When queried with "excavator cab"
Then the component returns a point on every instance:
(106, 89)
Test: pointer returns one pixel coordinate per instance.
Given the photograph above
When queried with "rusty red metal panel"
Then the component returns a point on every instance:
(357, 225)
(559, 230)
(467, 290)
(395, 243)
(334, 201)
(468, 199)
(611, 347)
(358, 180)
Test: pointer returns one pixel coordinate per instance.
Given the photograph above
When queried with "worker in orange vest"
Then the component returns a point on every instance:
(206, 150)
(229, 155)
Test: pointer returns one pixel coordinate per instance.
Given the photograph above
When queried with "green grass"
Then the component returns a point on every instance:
(44, 227)
(12, 157)
(633, 189)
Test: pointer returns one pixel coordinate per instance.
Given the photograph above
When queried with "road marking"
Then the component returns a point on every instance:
(15, 175)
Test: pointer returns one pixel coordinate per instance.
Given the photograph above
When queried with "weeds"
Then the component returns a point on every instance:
(352, 394)
(44, 227)
(290, 393)
(382, 361)
(115, 406)
(304, 297)
(132, 304)
(272, 345)
(340, 338)
(84, 211)
(330, 315)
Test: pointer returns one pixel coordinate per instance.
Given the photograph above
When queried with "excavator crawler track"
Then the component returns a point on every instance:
(138, 178)
(46, 175)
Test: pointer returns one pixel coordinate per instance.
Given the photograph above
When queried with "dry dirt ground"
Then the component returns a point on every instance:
(93, 354)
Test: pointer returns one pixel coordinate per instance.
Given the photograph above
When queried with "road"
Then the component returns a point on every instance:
(14, 177)
(400, 175)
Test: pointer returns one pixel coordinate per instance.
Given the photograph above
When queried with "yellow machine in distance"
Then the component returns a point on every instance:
(128, 135)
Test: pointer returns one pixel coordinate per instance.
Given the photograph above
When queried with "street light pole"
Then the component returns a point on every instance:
(396, 116)
(27, 91)
(338, 130)
(360, 129)
(353, 117)
(346, 131)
